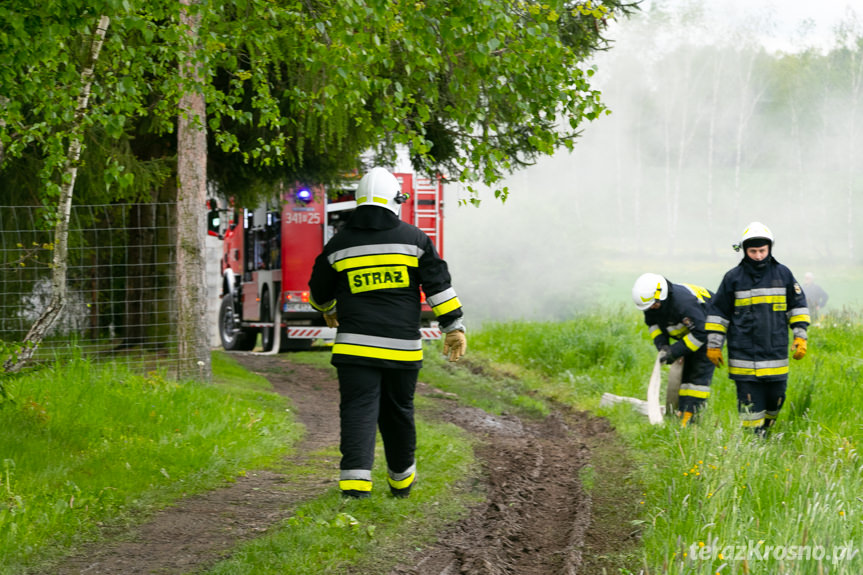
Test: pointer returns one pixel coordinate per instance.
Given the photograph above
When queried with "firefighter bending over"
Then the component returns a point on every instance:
(678, 312)
(373, 269)
(756, 303)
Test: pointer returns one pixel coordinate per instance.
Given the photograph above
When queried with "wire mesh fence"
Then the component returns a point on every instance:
(120, 284)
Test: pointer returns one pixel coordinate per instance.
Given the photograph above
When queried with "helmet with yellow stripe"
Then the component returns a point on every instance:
(378, 187)
(649, 289)
(756, 234)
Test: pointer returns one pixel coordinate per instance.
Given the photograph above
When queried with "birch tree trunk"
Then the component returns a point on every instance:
(748, 103)
(193, 347)
(853, 160)
(711, 148)
(49, 315)
(639, 173)
(678, 109)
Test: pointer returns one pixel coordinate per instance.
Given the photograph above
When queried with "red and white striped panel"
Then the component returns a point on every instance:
(430, 332)
(310, 332)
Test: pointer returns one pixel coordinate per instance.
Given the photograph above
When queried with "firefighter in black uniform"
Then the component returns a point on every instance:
(678, 311)
(373, 270)
(753, 308)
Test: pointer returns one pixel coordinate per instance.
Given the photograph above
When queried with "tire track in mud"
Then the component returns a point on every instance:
(536, 514)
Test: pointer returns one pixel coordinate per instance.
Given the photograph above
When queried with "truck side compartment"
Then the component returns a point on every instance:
(269, 251)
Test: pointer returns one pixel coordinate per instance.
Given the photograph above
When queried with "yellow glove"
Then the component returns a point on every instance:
(799, 348)
(714, 354)
(454, 345)
(332, 319)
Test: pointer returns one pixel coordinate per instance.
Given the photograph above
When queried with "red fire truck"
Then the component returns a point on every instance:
(268, 254)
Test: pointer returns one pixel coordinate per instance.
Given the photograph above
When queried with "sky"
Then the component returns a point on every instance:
(812, 20)
(556, 244)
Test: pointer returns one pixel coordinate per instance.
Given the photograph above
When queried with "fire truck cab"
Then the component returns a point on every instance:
(268, 253)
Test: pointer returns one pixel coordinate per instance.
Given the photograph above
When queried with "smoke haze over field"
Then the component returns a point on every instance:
(703, 138)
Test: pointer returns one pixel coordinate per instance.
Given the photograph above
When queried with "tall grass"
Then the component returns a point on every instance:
(718, 499)
(83, 445)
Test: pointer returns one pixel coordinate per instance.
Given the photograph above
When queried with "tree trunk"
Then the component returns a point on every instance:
(639, 170)
(853, 160)
(194, 353)
(748, 103)
(46, 320)
(711, 150)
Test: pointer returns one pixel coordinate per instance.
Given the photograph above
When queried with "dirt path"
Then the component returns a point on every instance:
(537, 518)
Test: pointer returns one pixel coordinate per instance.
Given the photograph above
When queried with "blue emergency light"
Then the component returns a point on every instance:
(304, 195)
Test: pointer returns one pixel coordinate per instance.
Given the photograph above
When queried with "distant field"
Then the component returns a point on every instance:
(843, 282)
(546, 286)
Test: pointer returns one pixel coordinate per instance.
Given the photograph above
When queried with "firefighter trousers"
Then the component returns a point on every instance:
(759, 402)
(695, 381)
(375, 398)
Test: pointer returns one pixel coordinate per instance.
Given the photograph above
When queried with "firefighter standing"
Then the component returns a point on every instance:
(677, 311)
(753, 308)
(373, 269)
(816, 297)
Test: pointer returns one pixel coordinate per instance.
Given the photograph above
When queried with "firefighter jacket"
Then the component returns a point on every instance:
(373, 270)
(753, 308)
(681, 317)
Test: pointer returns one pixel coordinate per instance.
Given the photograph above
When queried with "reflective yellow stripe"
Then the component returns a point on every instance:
(758, 372)
(655, 333)
(691, 342)
(694, 393)
(376, 260)
(760, 299)
(377, 352)
(699, 292)
(715, 327)
(325, 307)
(677, 331)
(446, 306)
(752, 422)
(796, 318)
(355, 485)
(406, 482)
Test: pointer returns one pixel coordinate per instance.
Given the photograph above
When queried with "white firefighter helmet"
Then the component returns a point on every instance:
(648, 289)
(755, 231)
(378, 187)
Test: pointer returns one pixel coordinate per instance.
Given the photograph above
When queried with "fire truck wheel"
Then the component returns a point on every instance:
(267, 333)
(234, 338)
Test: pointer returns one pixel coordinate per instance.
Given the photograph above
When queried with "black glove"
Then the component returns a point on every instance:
(665, 355)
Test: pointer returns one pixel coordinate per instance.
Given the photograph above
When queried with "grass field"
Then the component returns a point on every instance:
(85, 445)
(718, 499)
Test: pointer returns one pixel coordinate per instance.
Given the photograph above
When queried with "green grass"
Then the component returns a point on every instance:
(85, 445)
(715, 497)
